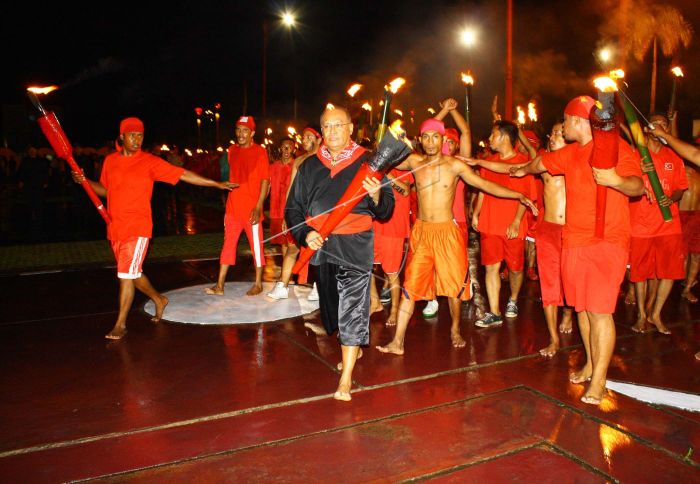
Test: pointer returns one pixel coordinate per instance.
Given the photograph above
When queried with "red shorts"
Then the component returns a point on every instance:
(437, 262)
(130, 254)
(532, 224)
(592, 276)
(495, 248)
(277, 235)
(388, 251)
(661, 257)
(232, 232)
(690, 222)
(548, 246)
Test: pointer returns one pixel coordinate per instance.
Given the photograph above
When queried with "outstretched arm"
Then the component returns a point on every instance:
(533, 168)
(684, 150)
(195, 179)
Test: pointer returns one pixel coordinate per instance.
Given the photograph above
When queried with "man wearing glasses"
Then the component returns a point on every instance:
(344, 260)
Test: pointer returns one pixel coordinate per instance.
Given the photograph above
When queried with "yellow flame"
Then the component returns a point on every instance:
(531, 112)
(677, 71)
(220, 149)
(291, 130)
(521, 115)
(399, 112)
(42, 90)
(188, 152)
(396, 84)
(268, 131)
(431, 111)
(482, 144)
(353, 89)
(605, 84)
(164, 148)
(467, 79)
(366, 107)
(617, 74)
(329, 107)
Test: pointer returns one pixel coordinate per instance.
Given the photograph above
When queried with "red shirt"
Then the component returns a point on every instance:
(248, 167)
(646, 216)
(572, 161)
(129, 183)
(459, 211)
(399, 224)
(498, 213)
(280, 175)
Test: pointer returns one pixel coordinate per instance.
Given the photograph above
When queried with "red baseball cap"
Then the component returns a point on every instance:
(580, 106)
(131, 125)
(246, 121)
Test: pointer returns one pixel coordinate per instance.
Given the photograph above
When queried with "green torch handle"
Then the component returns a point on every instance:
(639, 140)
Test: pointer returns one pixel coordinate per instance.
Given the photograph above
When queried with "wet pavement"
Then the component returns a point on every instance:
(252, 402)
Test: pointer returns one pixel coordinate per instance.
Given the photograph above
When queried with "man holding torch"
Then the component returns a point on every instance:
(592, 267)
(127, 182)
(344, 259)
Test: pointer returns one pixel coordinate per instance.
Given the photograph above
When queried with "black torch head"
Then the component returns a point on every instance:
(392, 149)
(603, 116)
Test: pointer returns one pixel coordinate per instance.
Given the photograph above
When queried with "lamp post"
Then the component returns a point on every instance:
(289, 21)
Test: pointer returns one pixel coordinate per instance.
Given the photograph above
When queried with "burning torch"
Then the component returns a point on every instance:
(389, 91)
(531, 112)
(390, 150)
(521, 116)
(677, 72)
(198, 112)
(468, 81)
(59, 142)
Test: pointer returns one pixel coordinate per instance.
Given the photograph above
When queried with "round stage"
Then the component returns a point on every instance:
(190, 305)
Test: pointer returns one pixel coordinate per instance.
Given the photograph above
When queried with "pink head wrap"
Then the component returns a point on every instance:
(432, 124)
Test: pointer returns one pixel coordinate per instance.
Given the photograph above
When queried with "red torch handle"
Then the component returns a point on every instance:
(59, 142)
(347, 202)
(604, 155)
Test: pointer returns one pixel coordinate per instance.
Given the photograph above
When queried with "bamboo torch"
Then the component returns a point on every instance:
(468, 81)
(59, 142)
(389, 90)
(677, 72)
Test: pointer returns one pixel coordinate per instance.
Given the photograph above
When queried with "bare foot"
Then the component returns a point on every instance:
(160, 307)
(339, 366)
(316, 329)
(254, 290)
(641, 325)
(550, 350)
(630, 297)
(116, 333)
(343, 393)
(689, 296)
(565, 327)
(376, 306)
(392, 347)
(581, 376)
(594, 395)
(214, 291)
(660, 326)
(457, 340)
(392, 319)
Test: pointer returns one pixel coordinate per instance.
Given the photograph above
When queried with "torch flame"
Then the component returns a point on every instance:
(677, 71)
(467, 79)
(353, 89)
(431, 111)
(291, 131)
(268, 131)
(396, 84)
(531, 112)
(605, 84)
(399, 112)
(367, 107)
(329, 107)
(164, 148)
(617, 74)
(42, 90)
(521, 115)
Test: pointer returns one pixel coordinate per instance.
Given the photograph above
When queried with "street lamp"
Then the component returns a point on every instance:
(288, 19)
(605, 55)
(468, 37)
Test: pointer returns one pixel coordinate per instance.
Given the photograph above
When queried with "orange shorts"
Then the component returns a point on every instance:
(548, 244)
(130, 254)
(388, 251)
(495, 248)
(690, 222)
(592, 276)
(277, 235)
(661, 257)
(437, 262)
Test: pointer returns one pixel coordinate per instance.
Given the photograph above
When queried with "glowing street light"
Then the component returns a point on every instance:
(288, 19)
(468, 36)
(605, 54)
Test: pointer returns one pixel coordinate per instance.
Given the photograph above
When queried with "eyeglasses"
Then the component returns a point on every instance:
(334, 126)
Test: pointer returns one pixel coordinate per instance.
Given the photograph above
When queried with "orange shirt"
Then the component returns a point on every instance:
(498, 213)
(280, 175)
(646, 216)
(248, 167)
(399, 224)
(572, 161)
(129, 183)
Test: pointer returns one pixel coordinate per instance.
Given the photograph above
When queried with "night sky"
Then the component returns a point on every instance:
(159, 63)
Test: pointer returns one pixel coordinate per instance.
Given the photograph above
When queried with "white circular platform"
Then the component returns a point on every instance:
(190, 305)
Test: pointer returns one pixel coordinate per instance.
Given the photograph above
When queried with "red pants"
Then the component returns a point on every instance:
(277, 235)
(388, 251)
(548, 244)
(232, 232)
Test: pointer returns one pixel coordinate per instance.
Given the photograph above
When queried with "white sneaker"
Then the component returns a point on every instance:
(313, 295)
(430, 309)
(279, 291)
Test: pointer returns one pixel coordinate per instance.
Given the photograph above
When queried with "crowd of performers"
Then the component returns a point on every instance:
(411, 230)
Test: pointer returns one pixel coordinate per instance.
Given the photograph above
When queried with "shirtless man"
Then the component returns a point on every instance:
(548, 244)
(437, 261)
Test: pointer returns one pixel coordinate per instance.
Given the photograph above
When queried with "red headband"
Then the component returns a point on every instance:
(451, 133)
(131, 125)
(313, 131)
(432, 124)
